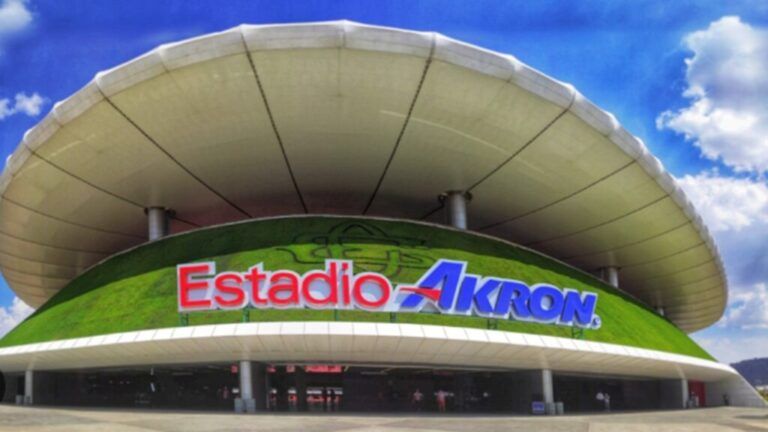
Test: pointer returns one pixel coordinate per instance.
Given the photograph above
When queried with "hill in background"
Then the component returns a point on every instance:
(754, 370)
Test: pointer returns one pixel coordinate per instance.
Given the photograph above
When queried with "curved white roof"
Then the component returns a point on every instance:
(352, 119)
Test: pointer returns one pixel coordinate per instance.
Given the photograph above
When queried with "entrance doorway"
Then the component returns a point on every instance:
(578, 393)
(328, 388)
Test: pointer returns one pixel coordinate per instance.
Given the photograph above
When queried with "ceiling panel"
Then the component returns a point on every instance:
(339, 113)
(102, 147)
(463, 126)
(627, 191)
(221, 132)
(567, 157)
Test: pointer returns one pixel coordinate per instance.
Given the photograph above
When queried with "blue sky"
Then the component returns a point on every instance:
(628, 57)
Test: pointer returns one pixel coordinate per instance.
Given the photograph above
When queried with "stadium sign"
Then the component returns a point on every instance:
(445, 288)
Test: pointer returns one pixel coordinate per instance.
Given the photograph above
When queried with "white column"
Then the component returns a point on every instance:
(157, 221)
(246, 386)
(456, 208)
(28, 386)
(610, 275)
(547, 390)
(684, 389)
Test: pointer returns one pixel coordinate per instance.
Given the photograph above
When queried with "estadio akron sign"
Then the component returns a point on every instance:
(445, 288)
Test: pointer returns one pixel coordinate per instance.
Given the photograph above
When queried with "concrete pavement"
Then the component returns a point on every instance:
(37, 419)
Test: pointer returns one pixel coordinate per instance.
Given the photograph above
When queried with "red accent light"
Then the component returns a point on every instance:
(430, 293)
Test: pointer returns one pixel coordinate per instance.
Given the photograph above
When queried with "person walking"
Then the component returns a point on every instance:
(607, 401)
(441, 395)
(324, 394)
(332, 399)
(417, 398)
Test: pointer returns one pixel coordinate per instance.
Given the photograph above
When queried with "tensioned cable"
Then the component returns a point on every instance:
(511, 157)
(696, 294)
(52, 246)
(656, 288)
(2, 252)
(557, 201)
(50, 292)
(196, 225)
(172, 158)
(630, 244)
(672, 275)
(691, 312)
(94, 186)
(16, 203)
(400, 135)
(677, 271)
(8, 268)
(77, 177)
(624, 267)
(690, 304)
(431, 212)
(274, 126)
(22, 290)
(608, 222)
(688, 313)
(524, 146)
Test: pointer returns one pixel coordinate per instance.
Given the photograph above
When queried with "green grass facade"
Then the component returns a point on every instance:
(136, 290)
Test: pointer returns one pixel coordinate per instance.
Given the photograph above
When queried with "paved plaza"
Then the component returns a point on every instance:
(13, 418)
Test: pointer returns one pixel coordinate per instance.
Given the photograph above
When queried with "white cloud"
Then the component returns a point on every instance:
(727, 203)
(736, 210)
(727, 117)
(747, 308)
(11, 315)
(731, 349)
(14, 16)
(30, 105)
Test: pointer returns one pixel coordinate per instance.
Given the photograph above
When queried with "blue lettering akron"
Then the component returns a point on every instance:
(447, 288)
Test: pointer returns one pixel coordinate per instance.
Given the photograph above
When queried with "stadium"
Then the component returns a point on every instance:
(336, 216)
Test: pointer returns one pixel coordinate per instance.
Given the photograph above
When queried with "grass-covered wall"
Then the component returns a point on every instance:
(136, 290)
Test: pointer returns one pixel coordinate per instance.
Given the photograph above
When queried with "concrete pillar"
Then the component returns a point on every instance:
(456, 208)
(301, 388)
(157, 222)
(684, 390)
(28, 387)
(610, 275)
(547, 389)
(246, 388)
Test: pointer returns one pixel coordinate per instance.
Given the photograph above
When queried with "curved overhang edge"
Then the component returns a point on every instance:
(364, 342)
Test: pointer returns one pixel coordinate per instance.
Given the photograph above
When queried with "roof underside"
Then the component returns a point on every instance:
(352, 119)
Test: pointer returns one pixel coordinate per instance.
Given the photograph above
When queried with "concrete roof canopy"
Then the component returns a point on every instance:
(346, 118)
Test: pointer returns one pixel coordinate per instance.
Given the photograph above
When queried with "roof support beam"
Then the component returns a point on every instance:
(610, 274)
(157, 222)
(456, 208)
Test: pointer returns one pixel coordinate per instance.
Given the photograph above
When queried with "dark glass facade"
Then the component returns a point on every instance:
(331, 388)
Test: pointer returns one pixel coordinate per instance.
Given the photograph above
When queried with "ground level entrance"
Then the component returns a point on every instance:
(340, 388)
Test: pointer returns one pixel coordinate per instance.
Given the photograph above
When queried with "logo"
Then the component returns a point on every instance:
(444, 288)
